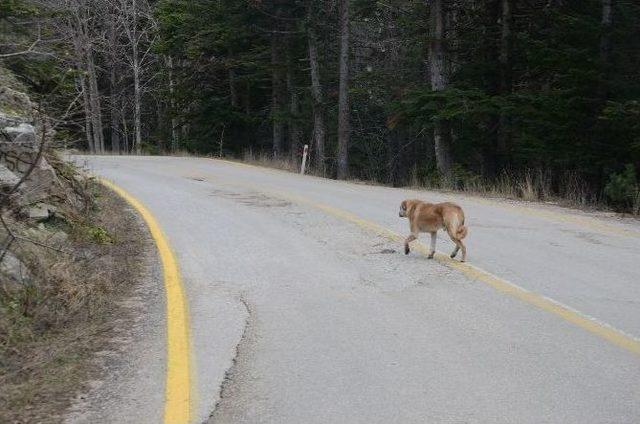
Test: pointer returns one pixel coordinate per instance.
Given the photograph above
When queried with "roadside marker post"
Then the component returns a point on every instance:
(304, 159)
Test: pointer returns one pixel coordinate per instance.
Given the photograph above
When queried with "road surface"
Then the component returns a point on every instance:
(303, 308)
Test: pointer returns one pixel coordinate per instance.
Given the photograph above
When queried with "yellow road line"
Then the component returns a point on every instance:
(178, 396)
(590, 324)
(581, 221)
(579, 319)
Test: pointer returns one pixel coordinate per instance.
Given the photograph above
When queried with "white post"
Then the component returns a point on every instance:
(304, 159)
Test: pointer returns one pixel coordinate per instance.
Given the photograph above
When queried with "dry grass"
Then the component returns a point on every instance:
(532, 185)
(267, 160)
(49, 328)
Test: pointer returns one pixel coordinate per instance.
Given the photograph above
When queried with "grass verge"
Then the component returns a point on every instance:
(51, 327)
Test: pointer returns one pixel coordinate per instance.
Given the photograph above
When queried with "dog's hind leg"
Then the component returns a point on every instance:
(434, 236)
(459, 245)
(409, 239)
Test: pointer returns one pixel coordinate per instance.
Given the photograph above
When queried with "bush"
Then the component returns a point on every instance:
(623, 190)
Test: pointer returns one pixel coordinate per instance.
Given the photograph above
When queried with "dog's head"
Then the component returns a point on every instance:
(407, 207)
(404, 208)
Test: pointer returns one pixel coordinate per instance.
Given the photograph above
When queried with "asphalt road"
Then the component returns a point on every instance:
(302, 310)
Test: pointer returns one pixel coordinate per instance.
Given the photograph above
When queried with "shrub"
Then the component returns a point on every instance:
(623, 190)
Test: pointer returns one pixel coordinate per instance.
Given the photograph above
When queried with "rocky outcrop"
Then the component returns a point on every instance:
(35, 185)
(19, 145)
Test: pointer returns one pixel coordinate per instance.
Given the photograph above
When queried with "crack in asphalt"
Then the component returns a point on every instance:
(239, 350)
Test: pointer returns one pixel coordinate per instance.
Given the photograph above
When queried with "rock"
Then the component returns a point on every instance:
(7, 178)
(10, 120)
(43, 182)
(15, 101)
(15, 269)
(21, 134)
(41, 211)
(58, 238)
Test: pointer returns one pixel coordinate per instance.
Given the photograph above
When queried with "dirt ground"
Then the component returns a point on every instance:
(51, 333)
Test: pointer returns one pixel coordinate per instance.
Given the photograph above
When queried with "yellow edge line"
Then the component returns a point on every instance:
(178, 396)
(590, 324)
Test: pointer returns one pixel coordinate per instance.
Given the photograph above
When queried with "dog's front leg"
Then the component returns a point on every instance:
(409, 239)
(434, 235)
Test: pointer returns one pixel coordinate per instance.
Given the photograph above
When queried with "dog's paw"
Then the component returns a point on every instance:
(406, 250)
(431, 255)
(453, 255)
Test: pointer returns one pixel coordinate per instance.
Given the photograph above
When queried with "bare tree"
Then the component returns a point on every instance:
(138, 24)
(114, 65)
(78, 27)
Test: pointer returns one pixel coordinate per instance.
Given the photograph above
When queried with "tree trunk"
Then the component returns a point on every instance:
(87, 111)
(247, 98)
(504, 86)
(605, 47)
(439, 80)
(295, 133)
(125, 133)
(94, 100)
(343, 94)
(233, 92)
(172, 102)
(137, 95)
(319, 126)
(276, 94)
(115, 112)
(606, 24)
(137, 120)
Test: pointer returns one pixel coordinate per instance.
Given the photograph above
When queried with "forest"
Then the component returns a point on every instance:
(535, 99)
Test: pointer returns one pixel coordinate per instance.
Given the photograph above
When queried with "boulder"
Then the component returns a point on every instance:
(15, 101)
(21, 134)
(41, 211)
(7, 179)
(10, 120)
(19, 145)
(58, 238)
(43, 182)
(14, 269)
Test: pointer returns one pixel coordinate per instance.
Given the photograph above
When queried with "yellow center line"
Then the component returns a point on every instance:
(178, 392)
(584, 321)
(580, 221)
(577, 318)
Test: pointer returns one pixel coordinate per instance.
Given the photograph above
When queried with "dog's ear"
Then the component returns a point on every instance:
(411, 205)
(403, 205)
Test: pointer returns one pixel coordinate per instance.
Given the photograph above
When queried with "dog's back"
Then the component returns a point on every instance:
(453, 219)
(430, 217)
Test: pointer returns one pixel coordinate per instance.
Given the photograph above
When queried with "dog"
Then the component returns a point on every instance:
(429, 218)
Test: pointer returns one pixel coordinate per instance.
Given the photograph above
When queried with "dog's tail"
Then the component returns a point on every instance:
(455, 226)
(462, 232)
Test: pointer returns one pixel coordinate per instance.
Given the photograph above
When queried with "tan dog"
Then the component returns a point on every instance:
(429, 218)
